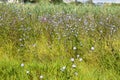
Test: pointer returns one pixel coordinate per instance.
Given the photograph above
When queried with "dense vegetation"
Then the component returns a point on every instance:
(59, 42)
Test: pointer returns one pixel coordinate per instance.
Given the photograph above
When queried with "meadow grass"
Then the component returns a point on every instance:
(59, 42)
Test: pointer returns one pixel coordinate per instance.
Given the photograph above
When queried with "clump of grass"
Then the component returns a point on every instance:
(72, 43)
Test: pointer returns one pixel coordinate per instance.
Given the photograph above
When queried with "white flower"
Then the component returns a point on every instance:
(78, 56)
(73, 66)
(80, 59)
(72, 59)
(101, 31)
(20, 39)
(74, 48)
(34, 45)
(63, 68)
(18, 50)
(22, 65)
(27, 72)
(21, 45)
(92, 48)
(76, 73)
(41, 76)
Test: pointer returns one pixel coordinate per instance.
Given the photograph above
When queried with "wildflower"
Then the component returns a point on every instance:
(101, 31)
(34, 45)
(73, 66)
(20, 39)
(27, 72)
(63, 68)
(80, 59)
(92, 48)
(79, 19)
(21, 45)
(22, 65)
(72, 59)
(18, 50)
(41, 76)
(78, 56)
(21, 19)
(76, 73)
(44, 19)
(74, 48)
